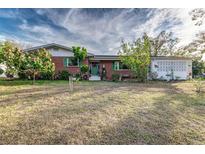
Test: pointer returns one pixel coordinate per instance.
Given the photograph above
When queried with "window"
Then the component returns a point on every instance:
(116, 65)
(71, 61)
(119, 65)
(123, 66)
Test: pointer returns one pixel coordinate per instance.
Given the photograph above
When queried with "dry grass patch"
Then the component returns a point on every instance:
(102, 113)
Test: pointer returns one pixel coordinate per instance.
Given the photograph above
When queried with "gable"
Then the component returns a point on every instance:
(59, 52)
(56, 50)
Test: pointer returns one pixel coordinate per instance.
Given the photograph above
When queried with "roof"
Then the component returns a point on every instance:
(106, 57)
(170, 58)
(116, 57)
(46, 46)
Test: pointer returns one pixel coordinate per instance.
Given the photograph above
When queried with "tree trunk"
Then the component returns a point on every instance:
(33, 78)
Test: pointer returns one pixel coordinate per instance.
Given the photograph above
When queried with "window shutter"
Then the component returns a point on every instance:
(113, 65)
(65, 62)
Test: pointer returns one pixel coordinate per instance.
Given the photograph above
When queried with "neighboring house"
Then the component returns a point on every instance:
(164, 68)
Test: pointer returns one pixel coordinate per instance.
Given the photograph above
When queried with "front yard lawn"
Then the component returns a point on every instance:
(101, 113)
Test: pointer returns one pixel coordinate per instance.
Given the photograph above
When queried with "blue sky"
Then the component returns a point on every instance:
(99, 30)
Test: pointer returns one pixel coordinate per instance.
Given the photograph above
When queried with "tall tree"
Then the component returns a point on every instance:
(163, 44)
(136, 56)
(195, 49)
(79, 54)
(198, 16)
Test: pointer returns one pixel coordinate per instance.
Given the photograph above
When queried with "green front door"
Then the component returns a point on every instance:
(94, 69)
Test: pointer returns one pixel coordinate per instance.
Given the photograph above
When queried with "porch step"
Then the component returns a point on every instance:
(94, 78)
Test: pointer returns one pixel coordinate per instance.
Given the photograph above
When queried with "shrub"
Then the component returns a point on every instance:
(1, 71)
(23, 75)
(63, 75)
(198, 84)
(77, 77)
(46, 75)
(84, 69)
(10, 73)
(115, 77)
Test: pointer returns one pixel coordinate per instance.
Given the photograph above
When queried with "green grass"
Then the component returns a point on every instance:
(101, 113)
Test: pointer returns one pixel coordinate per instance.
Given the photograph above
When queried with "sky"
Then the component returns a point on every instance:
(99, 30)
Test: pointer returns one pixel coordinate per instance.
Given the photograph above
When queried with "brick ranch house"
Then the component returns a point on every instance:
(63, 58)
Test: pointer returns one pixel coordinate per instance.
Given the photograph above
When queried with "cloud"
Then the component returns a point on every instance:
(100, 30)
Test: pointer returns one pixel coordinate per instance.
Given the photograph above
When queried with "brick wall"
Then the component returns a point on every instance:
(58, 61)
(109, 71)
(59, 66)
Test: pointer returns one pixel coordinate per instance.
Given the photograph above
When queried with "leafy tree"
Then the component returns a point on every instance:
(36, 62)
(136, 56)
(12, 56)
(163, 44)
(198, 67)
(79, 54)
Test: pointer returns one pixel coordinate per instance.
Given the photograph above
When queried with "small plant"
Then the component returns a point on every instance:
(1, 71)
(115, 77)
(198, 84)
(84, 69)
(153, 75)
(64, 75)
(77, 77)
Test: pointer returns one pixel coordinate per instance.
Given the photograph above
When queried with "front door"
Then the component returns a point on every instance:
(94, 69)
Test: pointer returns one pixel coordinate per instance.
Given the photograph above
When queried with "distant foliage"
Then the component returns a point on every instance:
(198, 67)
(1, 54)
(198, 16)
(163, 44)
